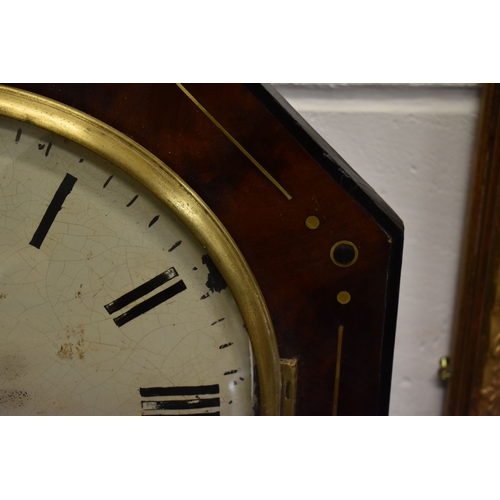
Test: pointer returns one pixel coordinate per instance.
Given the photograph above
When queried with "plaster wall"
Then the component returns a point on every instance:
(413, 144)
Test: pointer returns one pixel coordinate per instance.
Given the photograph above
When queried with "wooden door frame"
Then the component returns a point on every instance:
(474, 386)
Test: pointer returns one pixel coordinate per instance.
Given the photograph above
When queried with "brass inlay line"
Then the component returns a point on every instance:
(288, 386)
(235, 142)
(337, 371)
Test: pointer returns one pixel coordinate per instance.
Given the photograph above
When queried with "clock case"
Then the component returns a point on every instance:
(336, 355)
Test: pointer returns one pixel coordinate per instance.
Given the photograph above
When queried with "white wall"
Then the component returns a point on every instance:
(413, 144)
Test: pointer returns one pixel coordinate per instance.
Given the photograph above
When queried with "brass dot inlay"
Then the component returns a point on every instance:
(344, 253)
(344, 297)
(312, 222)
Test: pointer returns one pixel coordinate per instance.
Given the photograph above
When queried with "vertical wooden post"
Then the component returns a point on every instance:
(474, 386)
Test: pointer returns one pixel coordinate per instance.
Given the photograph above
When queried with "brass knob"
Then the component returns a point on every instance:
(444, 368)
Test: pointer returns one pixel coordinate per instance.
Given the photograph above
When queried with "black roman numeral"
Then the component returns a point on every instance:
(50, 214)
(143, 290)
(187, 390)
(176, 401)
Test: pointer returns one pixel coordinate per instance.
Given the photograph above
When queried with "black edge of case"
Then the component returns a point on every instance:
(364, 194)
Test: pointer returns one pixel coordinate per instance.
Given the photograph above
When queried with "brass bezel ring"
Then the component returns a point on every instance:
(344, 242)
(167, 186)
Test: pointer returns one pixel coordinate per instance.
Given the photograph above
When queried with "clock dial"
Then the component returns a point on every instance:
(109, 304)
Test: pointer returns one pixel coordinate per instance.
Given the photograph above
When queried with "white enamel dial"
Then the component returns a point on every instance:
(108, 304)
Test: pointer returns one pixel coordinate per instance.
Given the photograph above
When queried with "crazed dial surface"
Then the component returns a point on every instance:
(108, 304)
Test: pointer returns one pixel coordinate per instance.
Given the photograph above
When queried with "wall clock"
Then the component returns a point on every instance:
(256, 274)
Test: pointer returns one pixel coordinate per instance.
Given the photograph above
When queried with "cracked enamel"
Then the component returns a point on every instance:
(61, 351)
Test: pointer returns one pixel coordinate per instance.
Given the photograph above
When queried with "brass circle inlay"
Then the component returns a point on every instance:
(344, 297)
(312, 222)
(344, 253)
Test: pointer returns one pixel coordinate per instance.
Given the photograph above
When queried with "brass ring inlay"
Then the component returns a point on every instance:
(167, 186)
(350, 246)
